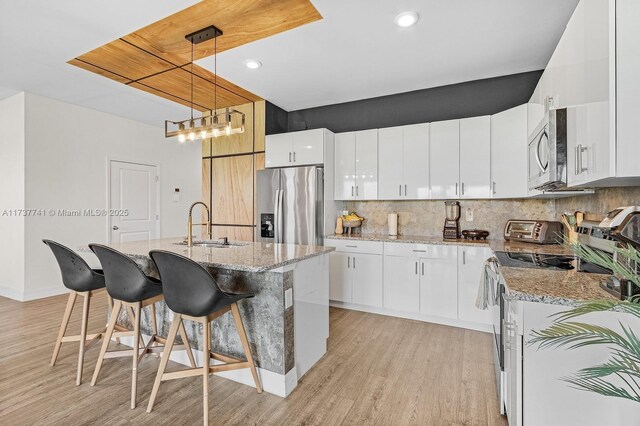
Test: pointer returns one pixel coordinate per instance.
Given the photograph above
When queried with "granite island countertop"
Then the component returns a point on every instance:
(238, 256)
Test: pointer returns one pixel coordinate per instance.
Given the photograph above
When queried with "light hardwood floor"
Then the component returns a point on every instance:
(378, 370)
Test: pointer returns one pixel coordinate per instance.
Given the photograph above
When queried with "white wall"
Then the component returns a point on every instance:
(12, 195)
(66, 158)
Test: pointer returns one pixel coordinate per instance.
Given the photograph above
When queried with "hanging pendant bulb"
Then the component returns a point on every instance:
(182, 137)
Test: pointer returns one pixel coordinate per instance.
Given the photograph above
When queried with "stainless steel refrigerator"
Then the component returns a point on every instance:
(290, 205)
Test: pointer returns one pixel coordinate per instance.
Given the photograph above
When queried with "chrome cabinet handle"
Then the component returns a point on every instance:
(416, 268)
(354, 262)
(494, 187)
(422, 268)
(420, 251)
(289, 157)
(294, 156)
(115, 228)
(400, 190)
(405, 189)
(464, 257)
(351, 246)
(579, 151)
(357, 192)
(352, 190)
(462, 186)
(456, 188)
(348, 261)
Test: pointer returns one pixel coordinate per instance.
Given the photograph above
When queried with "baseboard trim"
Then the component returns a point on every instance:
(277, 384)
(10, 293)
(485, 328)
(41, 294)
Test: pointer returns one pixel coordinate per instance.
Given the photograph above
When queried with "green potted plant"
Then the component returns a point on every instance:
(619, 376)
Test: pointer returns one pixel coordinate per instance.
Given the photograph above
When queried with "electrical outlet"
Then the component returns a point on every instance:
(288, 298)
(469, 215)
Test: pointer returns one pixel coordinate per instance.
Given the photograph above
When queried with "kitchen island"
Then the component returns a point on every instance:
(287, 322)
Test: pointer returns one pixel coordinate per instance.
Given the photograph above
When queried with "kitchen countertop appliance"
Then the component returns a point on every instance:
(290, 206)
(548, 152)
(451, 229)
(621, 227)
(533, 231)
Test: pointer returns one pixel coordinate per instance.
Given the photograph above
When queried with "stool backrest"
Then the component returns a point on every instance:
(123, 277)
(188, 288)
(76, 273)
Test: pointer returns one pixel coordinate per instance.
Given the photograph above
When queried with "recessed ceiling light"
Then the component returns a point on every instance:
(407, 19)
(252, 64)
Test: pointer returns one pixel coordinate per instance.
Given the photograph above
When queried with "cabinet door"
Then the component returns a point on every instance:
(308, 147)
(345, 166)
(509, 163)
(390, 163)
(366, 164)
(279, 150)
(475, 157)
(416, 162)
(367, 279)
(340, 277)
(470, 266)
(439, 287)
(444, 162)
(401, 283)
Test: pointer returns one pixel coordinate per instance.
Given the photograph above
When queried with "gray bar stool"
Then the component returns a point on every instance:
(192, 293)
(78, 277)
(130, 288)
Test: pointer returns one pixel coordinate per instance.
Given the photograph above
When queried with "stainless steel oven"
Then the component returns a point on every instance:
(548, 152)
(496, 305)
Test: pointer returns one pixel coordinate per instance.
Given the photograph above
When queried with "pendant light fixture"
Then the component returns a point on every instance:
(214, 124)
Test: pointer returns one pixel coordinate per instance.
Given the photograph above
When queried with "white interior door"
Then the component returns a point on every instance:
(133, 202)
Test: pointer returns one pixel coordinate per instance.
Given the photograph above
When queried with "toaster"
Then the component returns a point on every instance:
(533, 231)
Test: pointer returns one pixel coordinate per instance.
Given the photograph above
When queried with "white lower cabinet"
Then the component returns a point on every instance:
(438, 284)
(356, 272)
(402, 283)
(470, 267)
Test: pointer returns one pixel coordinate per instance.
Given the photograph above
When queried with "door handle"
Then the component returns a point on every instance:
(464, 257)
(348, 261)
(462, 187)
(294, 156)
(400, 190)
(416, 268)
(538, 159)
(580, 150)
(289, 157)
(115, 228)
(278, 225)
(357, 192)
(423, 269)
(494, 187)
(405, 189)
(354, 262)
(456, 188)
(352, 190)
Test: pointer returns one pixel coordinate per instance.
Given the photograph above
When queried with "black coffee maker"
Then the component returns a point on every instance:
(451, 229)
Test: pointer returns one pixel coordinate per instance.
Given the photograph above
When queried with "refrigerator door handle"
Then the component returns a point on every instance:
(277, 207)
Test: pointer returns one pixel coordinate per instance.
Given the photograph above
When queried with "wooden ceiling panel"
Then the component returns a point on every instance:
(150, 58)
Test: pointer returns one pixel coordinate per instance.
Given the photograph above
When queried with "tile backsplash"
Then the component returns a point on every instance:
(427, 217)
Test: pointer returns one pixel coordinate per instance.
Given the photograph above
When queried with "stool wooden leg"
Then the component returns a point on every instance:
(63, 326)
(173, 331)
(110, 303)
(107, 338)
(185, 341)
(154, 323)
(136, 353)
(83, 335)
(245, 344)
(206, 354)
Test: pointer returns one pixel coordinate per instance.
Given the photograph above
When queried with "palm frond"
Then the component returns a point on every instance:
(601, 386)
(575, 335)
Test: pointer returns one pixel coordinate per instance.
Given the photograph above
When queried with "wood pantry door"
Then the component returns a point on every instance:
(133, 202)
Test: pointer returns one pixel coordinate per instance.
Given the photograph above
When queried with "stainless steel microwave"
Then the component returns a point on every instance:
(548, 152)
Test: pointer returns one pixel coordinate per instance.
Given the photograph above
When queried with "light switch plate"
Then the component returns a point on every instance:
(288, 298)
(469, 215)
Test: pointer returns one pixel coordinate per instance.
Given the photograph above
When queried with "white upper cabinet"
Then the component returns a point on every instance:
(278, 150)
(509, 130)
(475, 157)
(444, 166)
(345, 166)
(416, 162)
(366, 164)
(403, 160)
(295, 149)
(390, 163)
(356, 165)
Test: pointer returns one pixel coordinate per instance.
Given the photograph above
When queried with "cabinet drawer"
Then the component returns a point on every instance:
(366, 247)
(421, 250)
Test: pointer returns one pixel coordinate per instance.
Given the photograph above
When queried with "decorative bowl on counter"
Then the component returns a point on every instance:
(475, 234)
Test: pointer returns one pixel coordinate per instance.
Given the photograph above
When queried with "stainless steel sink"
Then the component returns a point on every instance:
(210, 244)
